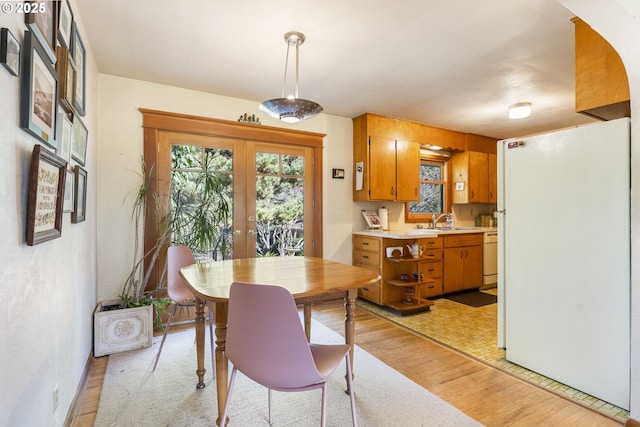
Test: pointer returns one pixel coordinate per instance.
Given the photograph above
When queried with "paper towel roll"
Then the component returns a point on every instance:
(383, 214)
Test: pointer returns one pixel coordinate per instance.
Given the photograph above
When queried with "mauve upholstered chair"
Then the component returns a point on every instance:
(178, 257)
(267, 343)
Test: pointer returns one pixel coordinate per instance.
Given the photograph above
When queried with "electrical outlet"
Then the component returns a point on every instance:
(55, 398)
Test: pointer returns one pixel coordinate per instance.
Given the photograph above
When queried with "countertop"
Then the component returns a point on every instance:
(422, 232)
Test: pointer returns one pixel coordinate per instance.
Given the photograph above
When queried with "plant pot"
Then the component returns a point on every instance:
(118, 329)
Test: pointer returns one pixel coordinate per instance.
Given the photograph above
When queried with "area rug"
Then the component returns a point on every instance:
(133, 395)
(473, 298)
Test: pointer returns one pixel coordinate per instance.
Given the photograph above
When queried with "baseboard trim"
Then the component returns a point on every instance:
(632, 423)
(74, 409)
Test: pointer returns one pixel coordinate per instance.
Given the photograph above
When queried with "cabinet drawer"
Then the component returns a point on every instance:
(431, 289)
(366, 259)
(366, 243)
(433, 243)
(453, 241)
(431, 269)
(432, 255)
(371, 293)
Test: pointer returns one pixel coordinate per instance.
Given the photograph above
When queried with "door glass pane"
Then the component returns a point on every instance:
(202, 200)
(279, 204)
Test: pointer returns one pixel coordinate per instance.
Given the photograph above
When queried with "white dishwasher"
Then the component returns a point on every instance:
(489, 259)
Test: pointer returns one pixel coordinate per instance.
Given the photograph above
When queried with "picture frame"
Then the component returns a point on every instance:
(66, 69)
(65, 23)
(372, 219)
(9, 51)
(64, 136)
(79, 137)
(80, 195)
(69, 193)
(45, 196)
(39, 93)
(78, 53)
(42, 20)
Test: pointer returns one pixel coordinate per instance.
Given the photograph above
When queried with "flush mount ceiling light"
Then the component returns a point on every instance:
(291, 109)
(520, 110)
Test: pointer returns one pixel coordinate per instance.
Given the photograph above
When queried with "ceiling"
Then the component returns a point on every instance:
(456, 64)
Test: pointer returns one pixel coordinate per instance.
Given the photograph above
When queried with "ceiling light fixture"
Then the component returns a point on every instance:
(520, 110)
(291, 109)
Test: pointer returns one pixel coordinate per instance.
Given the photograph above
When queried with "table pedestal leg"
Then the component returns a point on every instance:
(222, 363)
(307, 321)
(200, 342)
(350, 325)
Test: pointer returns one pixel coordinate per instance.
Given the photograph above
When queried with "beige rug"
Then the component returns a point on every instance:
(134, 396)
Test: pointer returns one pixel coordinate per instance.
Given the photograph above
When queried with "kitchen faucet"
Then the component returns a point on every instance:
(449, 219)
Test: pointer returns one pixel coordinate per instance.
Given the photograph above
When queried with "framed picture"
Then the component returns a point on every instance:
(66, 70)
(9, 52)
(64, 136)
(45, 196)
(78, 52)
(80, 196)
(79, 136)
(372, 219)
(69, 194)
(42, 20)
(65, 19)
(39, 93)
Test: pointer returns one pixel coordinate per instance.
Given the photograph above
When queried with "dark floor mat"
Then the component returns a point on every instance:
(473, 298)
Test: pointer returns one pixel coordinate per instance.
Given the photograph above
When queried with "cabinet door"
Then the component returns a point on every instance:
(382, 161)
(408, 171)
(493, 178)
(478, 177)
(472, 267)
(453, 275)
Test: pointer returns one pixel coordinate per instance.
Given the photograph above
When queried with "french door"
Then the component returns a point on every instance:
(270, 186)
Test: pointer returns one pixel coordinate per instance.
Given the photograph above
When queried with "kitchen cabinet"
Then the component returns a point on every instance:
(391, 169)
(602, 87)
(462, 269)
(367, 254)
(406, 282)
(474, 177)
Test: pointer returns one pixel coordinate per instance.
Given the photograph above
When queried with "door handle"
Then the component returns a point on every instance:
(251, 218)
(251, 232)
(237, 232)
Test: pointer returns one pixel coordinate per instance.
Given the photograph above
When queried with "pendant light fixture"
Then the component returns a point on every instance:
(291, 109)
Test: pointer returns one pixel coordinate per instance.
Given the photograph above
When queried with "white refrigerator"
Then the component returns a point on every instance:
(564, 256)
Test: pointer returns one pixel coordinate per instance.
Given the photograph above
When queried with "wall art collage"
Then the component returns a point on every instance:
(51, 65)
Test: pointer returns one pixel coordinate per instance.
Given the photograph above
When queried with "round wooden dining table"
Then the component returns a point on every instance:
(310, 280)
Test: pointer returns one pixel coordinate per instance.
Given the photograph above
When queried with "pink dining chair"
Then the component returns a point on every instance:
(178, 257)
(267, 343)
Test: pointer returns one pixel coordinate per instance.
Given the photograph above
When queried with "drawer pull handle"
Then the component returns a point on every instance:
(430, 287)
(365, 244)
(431, 269)
(365, 256)
(365, 289)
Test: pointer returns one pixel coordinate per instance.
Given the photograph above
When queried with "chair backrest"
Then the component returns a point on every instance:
(178, 257)
(265, 337)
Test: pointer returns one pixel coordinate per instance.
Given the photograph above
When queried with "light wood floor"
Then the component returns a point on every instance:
(486, 394)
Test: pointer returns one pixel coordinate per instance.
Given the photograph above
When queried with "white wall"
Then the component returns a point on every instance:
(619, 23)
(47, 291)
(120, 146)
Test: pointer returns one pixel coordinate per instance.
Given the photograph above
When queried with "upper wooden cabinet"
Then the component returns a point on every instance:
(602, 88)
(390, 161)
(474, 177)
(391, 170)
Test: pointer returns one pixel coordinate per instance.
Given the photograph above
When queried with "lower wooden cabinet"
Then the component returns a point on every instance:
(367, 254)
(462, 262)
(447, 264)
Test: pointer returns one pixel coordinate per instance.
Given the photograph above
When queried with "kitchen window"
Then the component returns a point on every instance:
(433, 192)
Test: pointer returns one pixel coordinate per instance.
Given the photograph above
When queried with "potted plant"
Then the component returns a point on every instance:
(199, 216)
(127, 322)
